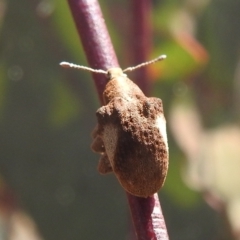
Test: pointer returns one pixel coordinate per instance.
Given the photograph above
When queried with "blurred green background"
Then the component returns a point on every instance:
(49, 186)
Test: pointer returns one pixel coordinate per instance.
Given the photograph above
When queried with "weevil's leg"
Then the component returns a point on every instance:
(104, 165)
(97, 145)
(97, 131)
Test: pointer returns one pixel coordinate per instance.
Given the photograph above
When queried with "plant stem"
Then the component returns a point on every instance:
(95, 38)
(146, 212)
(141, 40)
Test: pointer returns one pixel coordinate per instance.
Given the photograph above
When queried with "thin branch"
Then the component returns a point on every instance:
(148, 218)
(141, 40)
(146, 212)
(95, 38)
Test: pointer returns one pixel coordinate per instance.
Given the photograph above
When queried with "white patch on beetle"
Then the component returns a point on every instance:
(161, 125)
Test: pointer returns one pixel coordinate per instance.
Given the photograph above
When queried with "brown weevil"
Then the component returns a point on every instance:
(131, 133)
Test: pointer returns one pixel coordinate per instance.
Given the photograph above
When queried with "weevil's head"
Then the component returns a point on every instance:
(115, 72)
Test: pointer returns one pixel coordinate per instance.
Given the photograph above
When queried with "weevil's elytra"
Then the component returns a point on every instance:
(131, 135)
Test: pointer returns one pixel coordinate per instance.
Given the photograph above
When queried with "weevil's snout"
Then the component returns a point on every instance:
(115, 72)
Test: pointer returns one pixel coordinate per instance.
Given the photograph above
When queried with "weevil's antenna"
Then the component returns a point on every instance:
(72, 65)
(162, 57)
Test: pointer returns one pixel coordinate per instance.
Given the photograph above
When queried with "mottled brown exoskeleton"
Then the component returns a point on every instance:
(131, 134)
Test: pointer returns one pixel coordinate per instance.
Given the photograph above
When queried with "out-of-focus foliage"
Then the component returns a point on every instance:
(47, 113)
(212, 154)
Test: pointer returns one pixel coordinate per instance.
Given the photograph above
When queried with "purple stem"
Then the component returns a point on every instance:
(148, 218)
(146, 212)
(95, 38)
(141, 40)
